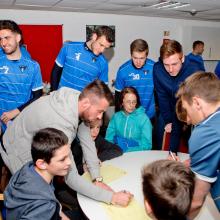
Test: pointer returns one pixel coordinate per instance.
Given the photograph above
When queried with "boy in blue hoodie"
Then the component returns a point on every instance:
(30, 192)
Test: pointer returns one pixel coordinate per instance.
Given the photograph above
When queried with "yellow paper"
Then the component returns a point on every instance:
(133, 211)
(109, 173)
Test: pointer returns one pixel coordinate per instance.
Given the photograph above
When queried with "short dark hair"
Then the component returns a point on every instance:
(168, 187)
(98, 89)
(105, 31)
(45, 142)
(196, 43)
(139, 45)
(12, 26)
(129, 90)
(170, 48)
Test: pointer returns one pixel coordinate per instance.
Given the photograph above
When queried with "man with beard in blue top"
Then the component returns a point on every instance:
(80, 63)
(171, 69)
(23, 50)
(20, 76)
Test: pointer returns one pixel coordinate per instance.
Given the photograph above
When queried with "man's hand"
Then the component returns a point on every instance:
(104, 186)
(174, 157)
(121, 198)
(168, 128)
(7, 116)
(187, 162)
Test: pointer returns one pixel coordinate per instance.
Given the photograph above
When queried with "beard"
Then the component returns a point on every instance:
(84, 118)
(87, 121)
(10, 50)
(94, 50)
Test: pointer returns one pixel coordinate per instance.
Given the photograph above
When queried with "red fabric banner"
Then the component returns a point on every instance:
(43, 43)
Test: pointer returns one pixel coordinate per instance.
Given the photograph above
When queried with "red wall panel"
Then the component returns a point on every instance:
(43, 43)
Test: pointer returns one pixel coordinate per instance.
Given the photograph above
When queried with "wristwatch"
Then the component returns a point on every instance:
(98, 179)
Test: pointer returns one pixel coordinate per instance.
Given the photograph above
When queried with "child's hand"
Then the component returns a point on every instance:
(63, 216)
(85, 168)
(100, 163)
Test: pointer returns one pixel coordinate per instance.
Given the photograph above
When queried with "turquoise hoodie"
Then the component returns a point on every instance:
(135, 126)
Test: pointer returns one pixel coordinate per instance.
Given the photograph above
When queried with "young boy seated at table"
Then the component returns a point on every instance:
(105, 149)
(30, 192)
(168, 188)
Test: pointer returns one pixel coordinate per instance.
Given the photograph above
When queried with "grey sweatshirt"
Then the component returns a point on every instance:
(57, 110)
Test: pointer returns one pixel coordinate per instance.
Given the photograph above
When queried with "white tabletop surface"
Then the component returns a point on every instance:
(132, 163)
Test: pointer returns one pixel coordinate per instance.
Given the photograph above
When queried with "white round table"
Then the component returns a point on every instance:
(132, 163)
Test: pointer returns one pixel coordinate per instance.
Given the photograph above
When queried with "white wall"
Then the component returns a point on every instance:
(128, 28)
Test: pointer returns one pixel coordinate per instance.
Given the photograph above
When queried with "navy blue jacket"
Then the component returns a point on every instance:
(197, 58)
(217, 69)
(166, 87)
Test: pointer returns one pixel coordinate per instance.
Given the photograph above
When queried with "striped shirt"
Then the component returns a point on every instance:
(142, 80)
(80, 66)
(18, 79)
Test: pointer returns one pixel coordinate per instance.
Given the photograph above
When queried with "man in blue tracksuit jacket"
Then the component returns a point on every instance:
(171, 69)
(196, 55)
(217, 69)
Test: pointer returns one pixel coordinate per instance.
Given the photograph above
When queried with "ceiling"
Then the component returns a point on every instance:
(197, 10)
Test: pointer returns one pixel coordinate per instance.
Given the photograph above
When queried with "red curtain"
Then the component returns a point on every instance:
(43, 43)
(166, 143)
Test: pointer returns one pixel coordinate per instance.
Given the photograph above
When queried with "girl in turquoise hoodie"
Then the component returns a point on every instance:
(130, 128)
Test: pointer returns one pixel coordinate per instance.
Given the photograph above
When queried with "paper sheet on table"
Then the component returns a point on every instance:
(109, 173)
(133, 211)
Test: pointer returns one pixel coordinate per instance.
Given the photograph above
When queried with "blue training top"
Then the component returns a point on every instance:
(142, 80)
(18, 79)
(80, 66)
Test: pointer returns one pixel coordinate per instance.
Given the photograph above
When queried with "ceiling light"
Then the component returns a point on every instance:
(183, 5)
(159, 4)
(169, 4)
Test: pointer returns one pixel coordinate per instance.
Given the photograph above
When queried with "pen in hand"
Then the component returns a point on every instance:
(171, 153)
